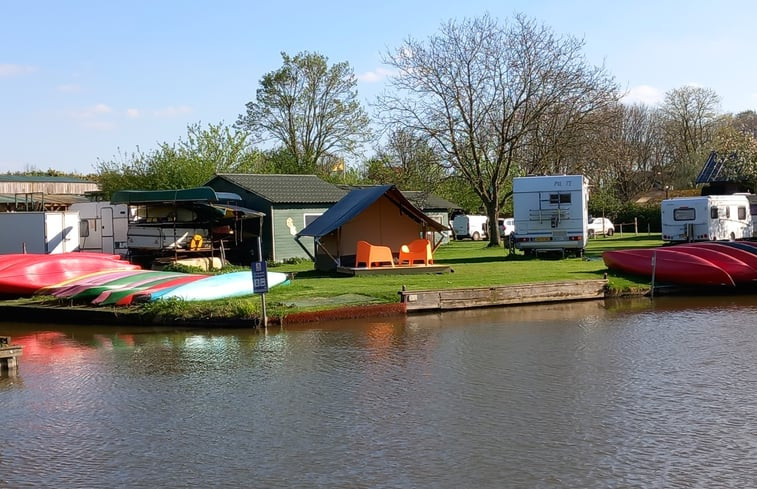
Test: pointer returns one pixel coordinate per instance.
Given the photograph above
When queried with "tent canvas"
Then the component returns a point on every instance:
(381, 215)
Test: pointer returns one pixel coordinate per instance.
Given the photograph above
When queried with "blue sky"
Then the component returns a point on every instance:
(81, 81)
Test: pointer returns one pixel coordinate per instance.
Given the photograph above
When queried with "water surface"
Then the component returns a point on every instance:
(590, 394)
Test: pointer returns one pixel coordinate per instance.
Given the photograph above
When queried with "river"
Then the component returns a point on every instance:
(605, 394)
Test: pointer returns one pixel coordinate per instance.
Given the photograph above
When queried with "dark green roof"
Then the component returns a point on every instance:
(197, 194)
(286, 189)
(427, 201)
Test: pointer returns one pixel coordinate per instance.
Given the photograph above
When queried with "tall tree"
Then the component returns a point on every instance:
(689, 117)
(187, 163)
(494, 98)
(310, 109)
(407, 161)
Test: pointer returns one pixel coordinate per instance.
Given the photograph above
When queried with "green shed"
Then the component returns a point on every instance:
(289, 202)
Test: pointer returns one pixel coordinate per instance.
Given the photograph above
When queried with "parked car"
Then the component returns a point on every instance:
(506, 226)
(600, 225)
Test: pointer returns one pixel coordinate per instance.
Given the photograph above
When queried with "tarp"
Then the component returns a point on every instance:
(356, 202)
(196, 194)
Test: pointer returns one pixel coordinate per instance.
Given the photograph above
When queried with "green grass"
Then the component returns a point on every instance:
(473, 264)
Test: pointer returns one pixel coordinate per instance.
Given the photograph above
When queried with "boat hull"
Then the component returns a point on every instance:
(667, 265)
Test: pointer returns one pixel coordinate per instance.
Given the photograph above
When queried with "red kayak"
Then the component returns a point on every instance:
(737, 251)
(25, 274)
(670, 266)
(740, 271)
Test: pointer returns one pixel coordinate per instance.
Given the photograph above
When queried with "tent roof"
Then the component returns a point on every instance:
(356, 202)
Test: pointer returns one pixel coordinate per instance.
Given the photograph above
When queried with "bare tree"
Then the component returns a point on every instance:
(310, 108)
(406, 160)
(494, 100)
(690, 116)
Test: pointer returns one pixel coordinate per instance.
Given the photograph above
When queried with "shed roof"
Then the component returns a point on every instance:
(356, 202)
(286, 189)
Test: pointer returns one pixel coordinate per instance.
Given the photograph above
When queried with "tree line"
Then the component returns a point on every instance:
(479, 102)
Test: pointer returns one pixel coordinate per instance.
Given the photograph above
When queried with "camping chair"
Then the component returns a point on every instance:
(416, 250)
(371, 255)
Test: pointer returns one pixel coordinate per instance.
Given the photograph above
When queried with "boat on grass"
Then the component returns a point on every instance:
(668, 265)
(235, 284)
(24, 274)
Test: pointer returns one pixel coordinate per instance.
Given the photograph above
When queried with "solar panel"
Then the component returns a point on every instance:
(711, 169)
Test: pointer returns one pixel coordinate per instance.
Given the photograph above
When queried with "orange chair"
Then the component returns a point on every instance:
(373, 255)
(416, 250)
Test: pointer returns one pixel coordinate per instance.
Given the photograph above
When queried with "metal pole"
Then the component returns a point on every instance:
(263, 310)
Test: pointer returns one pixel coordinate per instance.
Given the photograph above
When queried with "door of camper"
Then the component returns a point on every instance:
(551, 213)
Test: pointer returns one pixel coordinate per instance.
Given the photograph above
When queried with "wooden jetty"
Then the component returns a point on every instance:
(8, 355)
(466, 298)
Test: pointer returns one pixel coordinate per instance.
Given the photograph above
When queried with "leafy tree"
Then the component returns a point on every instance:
(311, 109)
(689, 119)
(495, 100)
(187, 163)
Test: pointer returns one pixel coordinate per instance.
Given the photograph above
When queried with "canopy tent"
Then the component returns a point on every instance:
(381, 215)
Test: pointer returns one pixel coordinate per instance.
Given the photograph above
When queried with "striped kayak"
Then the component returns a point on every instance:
(235, 284)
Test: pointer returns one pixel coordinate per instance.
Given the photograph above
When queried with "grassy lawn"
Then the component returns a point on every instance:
(473, 264)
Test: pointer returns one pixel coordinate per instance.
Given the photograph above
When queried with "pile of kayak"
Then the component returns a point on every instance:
(719, 263)
(101, 279)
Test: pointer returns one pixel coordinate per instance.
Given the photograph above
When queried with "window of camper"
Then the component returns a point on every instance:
(684, 214)
(713, 212)
(742, 213)
(727, 212)
(559, 198)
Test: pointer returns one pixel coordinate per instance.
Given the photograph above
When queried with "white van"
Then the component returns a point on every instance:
(551, 213)
(470, 227)
(706, 218)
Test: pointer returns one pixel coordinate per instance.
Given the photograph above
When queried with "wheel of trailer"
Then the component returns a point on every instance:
(610, 232)
(591, 233)
(733, 237)
(476, 236)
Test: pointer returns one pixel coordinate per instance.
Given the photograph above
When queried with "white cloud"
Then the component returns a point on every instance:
(91, 112)
(173, 111)
(69, 88)
(644, 94)
(374, 76)
(133, 113)
(8, 70)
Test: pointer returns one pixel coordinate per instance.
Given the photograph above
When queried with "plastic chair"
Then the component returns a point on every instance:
(373, 255)
(416, 250)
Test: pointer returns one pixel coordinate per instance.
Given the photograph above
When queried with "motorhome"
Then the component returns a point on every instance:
(551, 213)
(706, 218)
(102, 227)
(470, 227)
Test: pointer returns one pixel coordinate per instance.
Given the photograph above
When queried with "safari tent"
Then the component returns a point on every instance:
(380, 215)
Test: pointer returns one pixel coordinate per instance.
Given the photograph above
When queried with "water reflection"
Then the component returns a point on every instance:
(624, 393)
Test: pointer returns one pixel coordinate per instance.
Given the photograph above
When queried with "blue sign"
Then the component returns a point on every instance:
(259, 277)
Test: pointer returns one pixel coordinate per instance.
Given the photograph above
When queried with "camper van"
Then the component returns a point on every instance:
(706, 218)
(472, 227)
(551, 213)
(102, 227)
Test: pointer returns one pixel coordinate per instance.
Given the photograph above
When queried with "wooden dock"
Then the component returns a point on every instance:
(8, 355)
(396, 270)
(441, 300)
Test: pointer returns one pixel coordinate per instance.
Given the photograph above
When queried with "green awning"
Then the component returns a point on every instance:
(196, 194)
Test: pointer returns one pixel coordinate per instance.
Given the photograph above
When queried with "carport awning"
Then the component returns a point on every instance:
(356, 202)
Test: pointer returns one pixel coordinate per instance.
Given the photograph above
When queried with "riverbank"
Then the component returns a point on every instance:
(478, 276)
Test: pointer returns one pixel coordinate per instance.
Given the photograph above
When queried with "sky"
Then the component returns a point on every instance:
(89, 81)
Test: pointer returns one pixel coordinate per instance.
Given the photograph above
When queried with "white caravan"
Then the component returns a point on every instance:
(551, 213)
(103, 227)
(473, 227)
(706, 218)
(39, 232)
